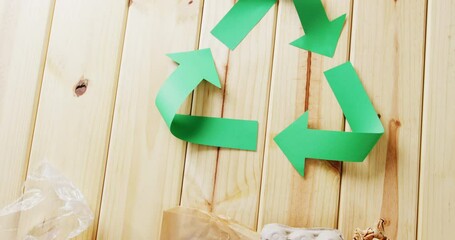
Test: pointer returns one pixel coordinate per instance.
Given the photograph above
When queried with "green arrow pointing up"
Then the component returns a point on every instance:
(196, 66)
(298, 142)
(321, 34)
(240, 20)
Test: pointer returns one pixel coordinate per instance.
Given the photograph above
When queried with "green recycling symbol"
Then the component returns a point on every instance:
(297, 141)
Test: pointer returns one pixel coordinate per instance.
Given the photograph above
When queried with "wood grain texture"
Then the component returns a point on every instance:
(72, 133)
(238, 175)
(24, 35)
(224, 181)
(145, 165)
(266, 79)
(201, 161)
(387, 52)
(298, 84)
(437, 195)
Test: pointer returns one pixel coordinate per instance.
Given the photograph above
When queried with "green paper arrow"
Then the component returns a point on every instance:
(298, 142)
(196, 66)
(321, 34)
(240, 20)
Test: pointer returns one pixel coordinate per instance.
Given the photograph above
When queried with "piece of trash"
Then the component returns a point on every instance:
(186, 223)
(283, 232)
(51, 208)
(370, 233)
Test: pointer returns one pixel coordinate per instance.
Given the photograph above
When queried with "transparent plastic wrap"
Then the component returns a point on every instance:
(186, 223)
(51, 208)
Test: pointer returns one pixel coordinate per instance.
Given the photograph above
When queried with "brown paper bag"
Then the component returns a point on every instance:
(188, 224)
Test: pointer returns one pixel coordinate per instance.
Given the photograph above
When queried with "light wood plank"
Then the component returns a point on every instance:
(227, 182)
(72, 133)
(145, 166)
(201, 161)
(298, 84)
(387, 51)
(437, 195)
(238, 175)
(24, 35)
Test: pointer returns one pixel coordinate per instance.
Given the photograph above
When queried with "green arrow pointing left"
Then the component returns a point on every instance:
(321, 34)
(196, 66)
(298, 142)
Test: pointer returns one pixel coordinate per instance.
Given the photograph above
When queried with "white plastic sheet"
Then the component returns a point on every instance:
(282, 232)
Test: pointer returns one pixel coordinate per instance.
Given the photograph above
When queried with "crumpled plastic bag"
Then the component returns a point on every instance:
(187, 224)
(51, 208)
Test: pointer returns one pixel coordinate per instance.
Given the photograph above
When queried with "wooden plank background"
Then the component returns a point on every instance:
(112, 143)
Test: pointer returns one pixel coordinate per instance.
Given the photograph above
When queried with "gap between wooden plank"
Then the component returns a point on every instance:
(204, 108)
(122, 45)
(281, 185)
(38, 97)
(202, 172)
(344, 127)
(58, 87)
(145, 160)
(372, 176)
(422, 115)
(28, 24)
(272, 61)
(198, 40)
(436, 195)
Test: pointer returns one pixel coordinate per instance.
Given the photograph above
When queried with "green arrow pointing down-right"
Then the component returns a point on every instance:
(298, 142)
(321, 34)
